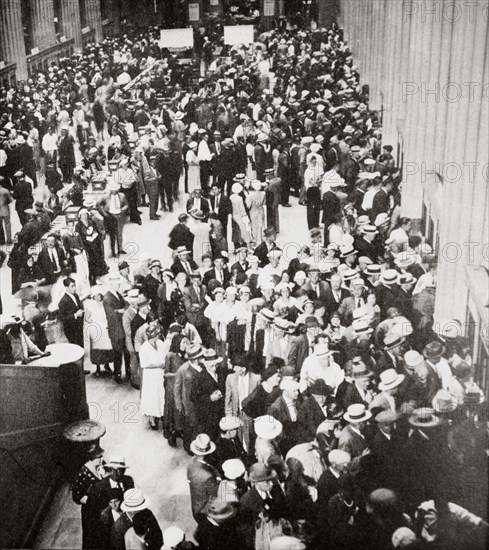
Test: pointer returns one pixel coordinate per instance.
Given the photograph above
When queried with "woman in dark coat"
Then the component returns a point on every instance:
(90, 473)
(99, 117)
(174, 358)
(91, 238)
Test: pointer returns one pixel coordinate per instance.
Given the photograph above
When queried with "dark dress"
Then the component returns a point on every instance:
(91, 239)
(84, 481)
(172, 363)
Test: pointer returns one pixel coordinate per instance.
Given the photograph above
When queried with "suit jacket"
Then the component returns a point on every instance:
(237, 266)
(47, 267)
(331, 207)
(251, 504)
(153, 537)
(292, 433)
(177, 266)
(324, 289)
(99, 494)
(299, 351)
(231, 403)
(327, 487)
(262, 252)
(352, 396)
(114, 319)
(309, 416)
(208, 412)
(181, 235)
(351, 442)
(224, 208)
(195, 304)
(204, 482)
(118, 531)
(380, 204)
(211, 274)
(331, 304)
(22, 194)
(184, 380)
(258, 402)
(346, 309)
(73, 326)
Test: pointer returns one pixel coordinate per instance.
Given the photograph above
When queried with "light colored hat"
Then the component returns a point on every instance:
(444, 402)
(447, 328)
(424, 418)
(132, 294)
(315, 148)
(288, 384)
(233, 468)
(404, 259)
(217, 290)
(403, 537)
(262, 137)
(357, 413)
(368, 229)
(178, 115)
(117, 461)
(114, 276)
(172, 536)
(350, 273)
(228, 423)
(389, 276)
(236, 188)
(202, 445)
(285, 542)
(268, 314)
(267, 427)
(381, 219)
(134, 501)
(256, 184)
(321, 350)
(361, 327)
(210, 357)
(193, 144)
(390, 379)
(413, 359)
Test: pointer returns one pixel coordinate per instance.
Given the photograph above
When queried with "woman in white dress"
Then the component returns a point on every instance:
(241, 222)
(152, 357)
(193, 167)
(255, 202)
(202, 237)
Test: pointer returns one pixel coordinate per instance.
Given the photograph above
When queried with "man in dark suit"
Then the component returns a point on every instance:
(70, 313)
(380, 203)
(220, 273)
(220, 205)
(335, 294)
(198, 202)
(262, 250)
(241, 264)
(181, 235)
(207, 395)
(226, 165)
(358, 391)
(114, 306)
(315, 288)
(312, 411)
(194, 300)
(202, 476)
(303, 346)
(51, 260)
(100, 494)
(22, 194)
(183, 262)
(260, 399)
(331, 208)
(284, 409)
(352, 303)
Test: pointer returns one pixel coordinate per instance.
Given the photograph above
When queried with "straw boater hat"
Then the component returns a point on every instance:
(390, 379)
(406, 279)
(194, 351)
(198, 215)
(134, 501)
(202, 445)
(362, 327)
(389, 277)
(116, 462)
(182, 250)
(444, 402)
(236, 188)
(357, 413)
(424, 418)
(359, 370)
(381, 219)
(392, 340)
(404, 259)
(413, 359)
(210, 357)
(267, 427)
(219, 511)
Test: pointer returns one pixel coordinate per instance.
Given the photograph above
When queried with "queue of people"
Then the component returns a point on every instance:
(321, 403)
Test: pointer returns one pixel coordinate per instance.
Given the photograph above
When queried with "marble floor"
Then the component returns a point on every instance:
(157, 468)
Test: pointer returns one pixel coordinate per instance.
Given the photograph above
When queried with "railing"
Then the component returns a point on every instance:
(41, 61)
(7, 75)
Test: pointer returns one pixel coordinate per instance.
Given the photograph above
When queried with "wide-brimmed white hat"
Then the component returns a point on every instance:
(267, 427)
(134, 501)
(173, 536)
(390, 379)
(233, 468)
(228, 423)
(236, 188)
(357, 413)
(202, 445)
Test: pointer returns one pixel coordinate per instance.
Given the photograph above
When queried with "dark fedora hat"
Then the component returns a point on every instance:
(319, 387)
(434, 350)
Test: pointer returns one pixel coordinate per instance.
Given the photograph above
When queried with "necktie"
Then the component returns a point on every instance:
(359, 303)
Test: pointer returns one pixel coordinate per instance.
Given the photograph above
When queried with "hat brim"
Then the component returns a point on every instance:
(365, 417)
(433, 424)
(399, 380)
(199, 452)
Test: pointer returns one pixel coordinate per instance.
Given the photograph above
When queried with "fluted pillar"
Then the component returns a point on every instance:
(12, 37)
(42, 20)
(71, 22)
(94, 18)
(115, 10)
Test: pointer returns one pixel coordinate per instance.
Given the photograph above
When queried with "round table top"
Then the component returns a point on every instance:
(61, 354)
(84, 431)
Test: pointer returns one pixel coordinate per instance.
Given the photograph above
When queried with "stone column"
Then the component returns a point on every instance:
(115, 10)
(94, 18)
(42, 20)
(12, 37)
(71, 23)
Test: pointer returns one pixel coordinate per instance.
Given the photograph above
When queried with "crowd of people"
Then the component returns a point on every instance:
(321, 403)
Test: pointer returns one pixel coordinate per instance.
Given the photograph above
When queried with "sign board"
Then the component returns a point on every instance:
(176, 38)
(268, 8)
(214, 3)
(238, 34)
(193, 12)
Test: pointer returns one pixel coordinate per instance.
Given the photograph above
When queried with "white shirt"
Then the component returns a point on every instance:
(50, 142)
(312, 370)
(292, 409)
(53, 254)
(243, 387)
(115, 204)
